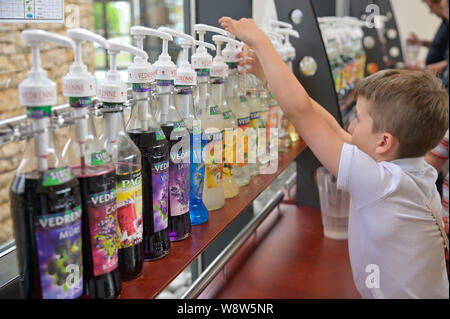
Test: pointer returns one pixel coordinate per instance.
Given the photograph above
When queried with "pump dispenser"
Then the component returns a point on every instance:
(44, 189)
(146, 133)
(219, 72)
(212, 123)
(127, 161)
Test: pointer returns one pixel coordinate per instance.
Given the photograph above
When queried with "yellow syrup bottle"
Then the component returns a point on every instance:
(218, 74)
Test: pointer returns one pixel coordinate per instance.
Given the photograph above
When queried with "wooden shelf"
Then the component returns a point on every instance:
(158, 274)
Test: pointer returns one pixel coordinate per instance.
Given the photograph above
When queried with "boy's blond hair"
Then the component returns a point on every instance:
(410, 105)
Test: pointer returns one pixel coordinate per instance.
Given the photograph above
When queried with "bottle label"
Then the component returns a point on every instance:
(213, 158)
(242, 141)
(129, 208)
(79, 102)
(254, 119)
(179, 186)
(263, 117)
(197, 167)
(229, 152)
(102, 212)
(57, 176)
(160, 190)
(39, 112)
(227, 115)
(179, 126)
(99, 158)
(59, 249)
(243, 99)
(160, 135)
(214, 110)
(141, 87)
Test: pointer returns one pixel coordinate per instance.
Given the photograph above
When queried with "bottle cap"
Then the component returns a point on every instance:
(37, 89)
(289, 50)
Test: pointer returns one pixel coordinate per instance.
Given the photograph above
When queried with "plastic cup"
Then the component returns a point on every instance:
(334, 205)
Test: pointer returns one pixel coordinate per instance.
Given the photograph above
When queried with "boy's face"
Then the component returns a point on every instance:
(361, 130)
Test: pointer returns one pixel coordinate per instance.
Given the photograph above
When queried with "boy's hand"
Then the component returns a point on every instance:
(245, 30)
(251, 60)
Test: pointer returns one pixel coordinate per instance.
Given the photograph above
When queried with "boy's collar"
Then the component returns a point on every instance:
(414, 164)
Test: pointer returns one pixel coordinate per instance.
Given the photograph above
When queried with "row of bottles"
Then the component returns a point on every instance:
(343, 40)
(87, 217)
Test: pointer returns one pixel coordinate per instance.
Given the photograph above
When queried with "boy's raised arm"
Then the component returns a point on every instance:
(324, 141)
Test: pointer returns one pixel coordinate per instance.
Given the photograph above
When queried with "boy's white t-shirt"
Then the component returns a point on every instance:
(395, 246)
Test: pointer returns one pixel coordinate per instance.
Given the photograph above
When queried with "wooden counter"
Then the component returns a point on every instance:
(158, 274)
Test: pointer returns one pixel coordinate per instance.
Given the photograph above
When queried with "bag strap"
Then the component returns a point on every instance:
(435, 215)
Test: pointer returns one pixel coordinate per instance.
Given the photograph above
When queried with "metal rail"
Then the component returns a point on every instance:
(220, 262)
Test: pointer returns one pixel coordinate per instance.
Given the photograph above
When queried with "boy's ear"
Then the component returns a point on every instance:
(386, 144)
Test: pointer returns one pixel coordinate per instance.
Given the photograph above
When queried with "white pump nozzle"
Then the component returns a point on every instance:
(288, 49)
(38, 93)
(79, 82)
(112, 89)
(219, 67)
(276, 24)
(201, 59)
(37, 89)
(185, 75)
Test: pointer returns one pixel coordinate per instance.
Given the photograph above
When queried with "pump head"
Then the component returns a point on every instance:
(79, 82)
(112, 89)
(201, 59)
(288, 49)
(219, 67)
(37, 89)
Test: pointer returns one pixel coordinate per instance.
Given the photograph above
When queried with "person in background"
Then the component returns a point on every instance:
(436, 59)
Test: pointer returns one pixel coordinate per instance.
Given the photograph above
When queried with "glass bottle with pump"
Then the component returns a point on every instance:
(219, 72)
(127, 160)
(45, 196)
(146, 133)
(96, 173)
(179, 144)
(212, 125)
(185, 81)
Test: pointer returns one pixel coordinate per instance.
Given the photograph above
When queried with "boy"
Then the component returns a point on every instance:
(395, 246)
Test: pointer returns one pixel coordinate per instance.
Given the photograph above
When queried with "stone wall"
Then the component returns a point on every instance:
(15, 61)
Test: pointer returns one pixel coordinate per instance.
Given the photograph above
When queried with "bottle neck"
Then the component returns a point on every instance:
(186, 105)
(217, 90)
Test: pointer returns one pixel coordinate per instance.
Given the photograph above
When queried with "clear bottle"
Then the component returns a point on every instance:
(238, 104)
(273, 127)
(127, 160)
(255, 122)
(263, 139)
(213, 125)
(177, 133)
(230, 188)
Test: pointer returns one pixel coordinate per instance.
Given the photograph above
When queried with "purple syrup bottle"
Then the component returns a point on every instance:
(91, 164)
(46, 213)
(179, 169)
(145, 132)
